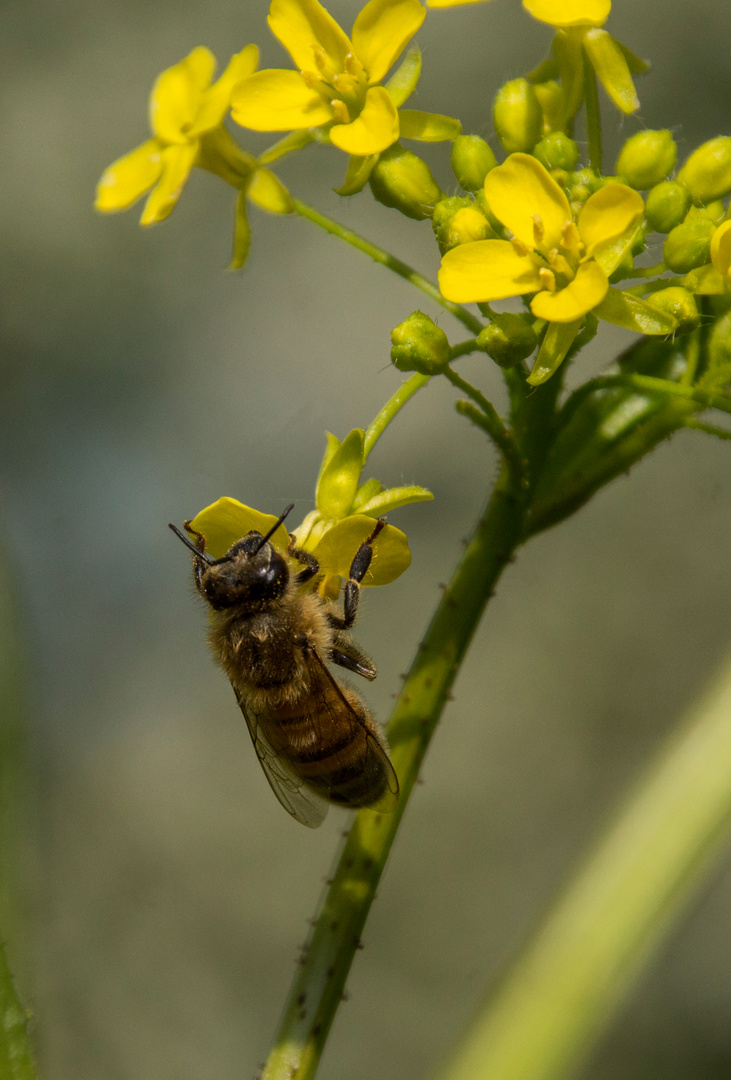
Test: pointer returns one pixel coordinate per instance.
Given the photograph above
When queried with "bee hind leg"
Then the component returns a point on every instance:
(350, 656)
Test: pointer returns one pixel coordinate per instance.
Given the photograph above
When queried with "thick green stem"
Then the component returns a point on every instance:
(380, 256)
(318, 987)
(711, 399)
(562, 991)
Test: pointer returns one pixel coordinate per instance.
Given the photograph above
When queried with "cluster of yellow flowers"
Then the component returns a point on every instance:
(536, 226)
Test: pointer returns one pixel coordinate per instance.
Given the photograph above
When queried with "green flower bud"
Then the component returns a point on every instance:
(666, 206)
(517, 116)
(419, 345)
(404, 182)
(459, 221)
(557, 151)
(707, 172)
(680, 304)
(646, 158)
(471, 160)
(508, 339)
(714, 210)
(688, 244)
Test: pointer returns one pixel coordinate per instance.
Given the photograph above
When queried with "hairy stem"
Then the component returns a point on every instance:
(380, 256)
(593, 117)
(394, 404)
(318, 986)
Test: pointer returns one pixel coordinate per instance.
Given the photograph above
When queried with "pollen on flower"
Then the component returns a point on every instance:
(547, 279)
(560, 264)
(519, 247)
(340, 111)
(571, 239)
(538, 229)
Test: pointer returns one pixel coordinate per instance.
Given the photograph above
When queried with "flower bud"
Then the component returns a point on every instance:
(557, 151)
(707, 172)
(471, 160)
(508, 339)
(688, 245)
(419, 345)
(680, 304)
(666, 206)
(459, 221)
(517, 116)
(646, 158)
(404, 182)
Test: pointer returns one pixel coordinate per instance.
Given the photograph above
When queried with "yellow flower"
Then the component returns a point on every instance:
(565, 263)
(338, 81)
(186, 118)
(564, 13)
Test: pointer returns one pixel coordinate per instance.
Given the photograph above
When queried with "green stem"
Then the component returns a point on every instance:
(710, 429)
(650, 864)
(296, 140)
(16, 1059)
(396, 402)
(593, 117)
(380, 256)
(318, 986)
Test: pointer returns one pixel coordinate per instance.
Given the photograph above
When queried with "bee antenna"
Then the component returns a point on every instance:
(273, 529)
(189, 544)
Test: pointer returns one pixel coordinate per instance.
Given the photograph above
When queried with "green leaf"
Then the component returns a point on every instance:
(392, 498)
(403, 82)
(623, 309)
(427, 127)
(339, 477)
(611, 69)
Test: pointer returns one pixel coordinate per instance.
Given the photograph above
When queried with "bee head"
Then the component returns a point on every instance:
(252, 573)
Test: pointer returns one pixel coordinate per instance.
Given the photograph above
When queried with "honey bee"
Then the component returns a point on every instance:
(314, 736)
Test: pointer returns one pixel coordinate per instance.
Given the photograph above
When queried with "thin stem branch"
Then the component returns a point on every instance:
(593, 117)
(380, 256)
(493, 424)
(710, 399)
(318, 986)
(394, 404)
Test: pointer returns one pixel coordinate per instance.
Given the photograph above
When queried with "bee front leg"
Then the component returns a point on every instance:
(311, 565)
(198, 564)
(358, 570)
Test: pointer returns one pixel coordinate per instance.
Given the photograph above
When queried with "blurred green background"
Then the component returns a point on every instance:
(140, 380)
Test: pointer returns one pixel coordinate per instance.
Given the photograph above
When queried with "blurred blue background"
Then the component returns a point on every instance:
(141, 380)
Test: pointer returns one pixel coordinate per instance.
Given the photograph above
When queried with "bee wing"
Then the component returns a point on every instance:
(377, 758)
(301, 802)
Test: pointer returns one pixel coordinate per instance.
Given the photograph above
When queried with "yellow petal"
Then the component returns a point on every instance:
(391, 555)
(519, 191)
(486, 270)
(569, 12)
(275, 100)
(176, 95)
(721, 248)
(269, 193)
(588, 288)
(375, 129)
(177, 162)
(216, 100)
(227, 520)
(302, 24)
(381, 32)
(609, 213)
(129, 177)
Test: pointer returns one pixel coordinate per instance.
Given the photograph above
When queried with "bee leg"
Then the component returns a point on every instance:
(358, 570)
(351, 657)
(311, 564)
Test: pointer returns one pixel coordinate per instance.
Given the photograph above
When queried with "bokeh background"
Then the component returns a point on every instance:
(167, 891)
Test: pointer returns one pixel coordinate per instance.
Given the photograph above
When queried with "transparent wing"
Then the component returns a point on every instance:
(301, 802)
(376, 762)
